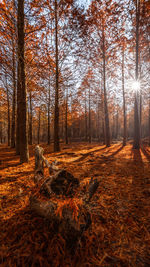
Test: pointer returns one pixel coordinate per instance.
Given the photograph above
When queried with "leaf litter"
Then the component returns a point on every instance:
(120, 210)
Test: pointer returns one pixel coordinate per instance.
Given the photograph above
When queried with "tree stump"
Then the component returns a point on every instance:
(70, 213)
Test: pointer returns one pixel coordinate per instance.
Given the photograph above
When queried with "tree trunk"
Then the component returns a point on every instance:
(39, 126)
(1, 129)
(8, 114)
(149, 121)
(86, 134)
(141, 133)
(56, 117)
(103, 131)
(18, 113)
(124, 103)
(66, 118)
(13, 123)
(117, 125)
(89, 115)
(107, 128)
(136, 143)
(22, 107)
(30, 119)
(98, 121)
(48, 121)
(61, 126)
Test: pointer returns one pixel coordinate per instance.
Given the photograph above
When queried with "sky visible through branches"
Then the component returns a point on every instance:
(84, 3)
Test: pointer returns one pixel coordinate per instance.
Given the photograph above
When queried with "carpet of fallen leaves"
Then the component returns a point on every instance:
(120, 209)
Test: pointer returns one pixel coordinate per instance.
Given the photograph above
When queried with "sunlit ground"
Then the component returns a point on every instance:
(119, 233)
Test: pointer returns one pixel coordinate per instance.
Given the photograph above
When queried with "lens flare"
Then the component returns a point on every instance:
(135, 86)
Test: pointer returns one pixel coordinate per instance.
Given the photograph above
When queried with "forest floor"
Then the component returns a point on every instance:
(120, 230)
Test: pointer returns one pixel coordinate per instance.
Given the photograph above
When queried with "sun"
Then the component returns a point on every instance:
(135, 86)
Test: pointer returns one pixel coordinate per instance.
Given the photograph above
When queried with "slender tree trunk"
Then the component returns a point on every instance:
(140, 109)
(86, 134)
(66, 118)
(117, 124)
(71, 127)
(8, 103)
(1, 129)
(107, 128)
(124, 103)
(48, 121)
(56, 118)
(39, 126)
(13, 123)
(149, 121)
(30, 119)
(22, 101)
(98, 123)
(136, 143)
(103, 131)
(18, 113)
(141, 116)
(0, 124)
(113, 127)
(97, 120)
(8, 114)
(89, 115)
(62, 124)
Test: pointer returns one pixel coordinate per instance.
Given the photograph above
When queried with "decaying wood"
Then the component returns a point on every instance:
(63, 183)
(70, 228)
(60, 183)
(40, 160)
(43, 209)
(92, 188)
(39, 166)
(47, 209)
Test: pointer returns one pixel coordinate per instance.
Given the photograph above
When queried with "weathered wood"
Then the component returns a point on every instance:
(39, 163)
(61, 183)
(43, 209)
(52, 167)
(92, 188)
(40, 160)
(70, 228)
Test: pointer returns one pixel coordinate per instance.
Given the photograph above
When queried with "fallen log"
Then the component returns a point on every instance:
(70, 214)
(70, 228)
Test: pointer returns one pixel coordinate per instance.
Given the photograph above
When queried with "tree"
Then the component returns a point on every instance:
(56, 118)
(102, 24)
(30, 117)
(8, 112)
(21, 89)
(124, 103)
(107, 129)
(13, 37)
(136, 143)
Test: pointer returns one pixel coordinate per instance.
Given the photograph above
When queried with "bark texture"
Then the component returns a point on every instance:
(13, 124)
(71, 220)
(106, 115)
(136, 143)
(124, 103)
(22, 94)
(56, 117)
